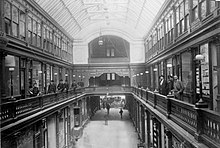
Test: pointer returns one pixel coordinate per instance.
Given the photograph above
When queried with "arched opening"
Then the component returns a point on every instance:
(108, 49)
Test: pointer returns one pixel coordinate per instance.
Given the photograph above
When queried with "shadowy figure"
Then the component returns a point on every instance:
(66, 86)
(163, 86)
(121, 112)
(52, 87)
(74, 85)
(108, 108)
(178, 88)
(169, 84)
(61, 86)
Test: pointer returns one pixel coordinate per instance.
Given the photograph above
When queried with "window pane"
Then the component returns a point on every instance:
(7, 9)
(7, 26)
(108, 76)
(177, 14)
(29, 23)
(195, 13)
(108, 52)
(22, 23)
(203, 9)
(186, 7)
(15, 29)
(212, 5)
(181, 10)
(15, 14)
(112, 52)
(113, 76)
(195, 3)
(34, 26)
(39, 29)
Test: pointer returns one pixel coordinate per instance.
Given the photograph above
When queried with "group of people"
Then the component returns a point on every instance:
(61, 87)
(172, 85)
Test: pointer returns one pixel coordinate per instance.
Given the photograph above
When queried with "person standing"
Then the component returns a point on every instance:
(66, 86)
(121, 112)
(34, 91)
(60, 86)
(169, 84)
(74, 85)
(163, 86)
(108, 108)
(178, 88)
(52, 87)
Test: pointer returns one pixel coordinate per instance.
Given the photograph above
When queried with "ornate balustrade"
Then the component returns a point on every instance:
(203, 124)
(13, 110)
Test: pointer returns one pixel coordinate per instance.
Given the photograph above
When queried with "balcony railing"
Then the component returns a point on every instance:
(202, 123)
(15, 110)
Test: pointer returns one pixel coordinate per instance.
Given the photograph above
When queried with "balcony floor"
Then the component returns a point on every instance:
(116, 133)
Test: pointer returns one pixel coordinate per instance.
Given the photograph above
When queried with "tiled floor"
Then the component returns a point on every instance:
(115, 133)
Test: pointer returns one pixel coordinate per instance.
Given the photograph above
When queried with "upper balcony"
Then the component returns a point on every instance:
(201, 123)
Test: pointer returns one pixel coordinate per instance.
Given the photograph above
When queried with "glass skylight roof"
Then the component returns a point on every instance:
(129, 16)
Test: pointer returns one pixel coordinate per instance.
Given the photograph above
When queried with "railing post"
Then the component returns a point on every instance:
(155, 98)
(41, 102)
(200, 121)
(141, 93)
(147, 94)
(169, 105)
(13, 108)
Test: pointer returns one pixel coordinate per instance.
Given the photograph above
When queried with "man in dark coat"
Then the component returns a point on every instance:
(163, 86)
(52, 87)
(61, 86)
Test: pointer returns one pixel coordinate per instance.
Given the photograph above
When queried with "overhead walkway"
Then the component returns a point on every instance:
(114, 133)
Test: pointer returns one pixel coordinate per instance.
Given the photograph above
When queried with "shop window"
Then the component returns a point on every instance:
(37, 74)
(205, 69)
(12, 78)
(187, 71)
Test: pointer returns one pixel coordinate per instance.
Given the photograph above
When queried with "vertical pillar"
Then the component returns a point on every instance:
(218, 72)
(138, 117)
(156, 133)
(2, 75)
(148, 142)
(2, 16)
(169, 137)
(58, 114)
(143, 124)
